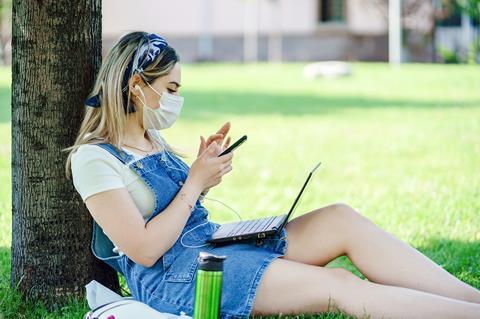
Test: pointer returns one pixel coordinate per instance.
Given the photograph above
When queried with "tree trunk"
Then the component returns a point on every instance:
(56, 52)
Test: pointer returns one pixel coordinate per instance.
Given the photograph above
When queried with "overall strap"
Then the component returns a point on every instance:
(121, 155)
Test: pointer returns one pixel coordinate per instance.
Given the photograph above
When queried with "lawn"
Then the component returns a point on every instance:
(401, 146)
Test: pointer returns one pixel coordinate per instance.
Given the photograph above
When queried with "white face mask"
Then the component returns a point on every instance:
(166, 114)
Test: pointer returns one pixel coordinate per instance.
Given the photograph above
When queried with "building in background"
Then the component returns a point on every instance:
(238, 30)
(287, 30)
(458, 32)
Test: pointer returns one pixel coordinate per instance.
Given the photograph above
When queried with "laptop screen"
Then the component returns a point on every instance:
(298, 196)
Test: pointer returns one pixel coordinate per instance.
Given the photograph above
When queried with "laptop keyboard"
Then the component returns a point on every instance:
(251, 226)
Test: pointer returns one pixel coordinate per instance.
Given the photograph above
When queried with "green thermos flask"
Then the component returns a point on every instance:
(208, 286)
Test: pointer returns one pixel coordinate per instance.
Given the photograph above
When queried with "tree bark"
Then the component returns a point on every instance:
(56, 53)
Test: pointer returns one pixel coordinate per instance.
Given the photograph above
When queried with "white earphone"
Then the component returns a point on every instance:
(138, 89)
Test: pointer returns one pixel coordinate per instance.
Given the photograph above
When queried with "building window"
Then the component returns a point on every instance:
(450, 15)
(331, 11)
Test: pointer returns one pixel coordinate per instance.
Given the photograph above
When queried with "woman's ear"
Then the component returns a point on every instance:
(134, 85)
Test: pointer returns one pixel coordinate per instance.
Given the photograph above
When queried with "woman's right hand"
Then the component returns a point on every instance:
(207, 170)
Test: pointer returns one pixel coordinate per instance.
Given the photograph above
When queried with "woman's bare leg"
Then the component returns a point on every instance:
(289, 287)
(324, 234)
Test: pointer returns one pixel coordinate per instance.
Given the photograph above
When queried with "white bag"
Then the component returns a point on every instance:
(106, 303)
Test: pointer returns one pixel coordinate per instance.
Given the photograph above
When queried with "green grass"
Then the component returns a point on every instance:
(401, 146)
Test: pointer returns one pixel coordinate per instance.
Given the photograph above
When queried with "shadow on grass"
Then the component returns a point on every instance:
(201, 104)
(460, 258)
(14, 306)
(207, 103)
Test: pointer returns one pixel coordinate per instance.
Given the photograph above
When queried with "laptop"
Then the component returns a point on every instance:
(255, 228)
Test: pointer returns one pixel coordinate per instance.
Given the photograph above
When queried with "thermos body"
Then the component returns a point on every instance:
(208, 286)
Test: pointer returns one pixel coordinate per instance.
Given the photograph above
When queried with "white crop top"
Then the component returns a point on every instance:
(95, 170)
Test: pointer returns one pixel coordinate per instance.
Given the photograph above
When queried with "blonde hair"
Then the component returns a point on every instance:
(106, 124)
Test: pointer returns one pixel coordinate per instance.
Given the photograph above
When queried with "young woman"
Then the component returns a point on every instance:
(150, 224)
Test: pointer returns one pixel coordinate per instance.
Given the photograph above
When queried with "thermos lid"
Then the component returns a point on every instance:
(210, 262)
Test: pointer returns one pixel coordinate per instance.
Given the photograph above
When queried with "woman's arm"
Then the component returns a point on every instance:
(171, 221)
(115, 211)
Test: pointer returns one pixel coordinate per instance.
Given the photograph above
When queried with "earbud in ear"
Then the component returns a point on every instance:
(137, 87)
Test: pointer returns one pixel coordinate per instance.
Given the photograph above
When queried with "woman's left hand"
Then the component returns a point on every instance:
(219, 137)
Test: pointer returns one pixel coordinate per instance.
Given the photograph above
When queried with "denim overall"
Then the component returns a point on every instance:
(169, 285)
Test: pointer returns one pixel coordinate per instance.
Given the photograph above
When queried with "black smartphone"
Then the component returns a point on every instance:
(234, 145)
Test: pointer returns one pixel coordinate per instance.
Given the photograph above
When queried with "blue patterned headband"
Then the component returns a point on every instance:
(143, 56)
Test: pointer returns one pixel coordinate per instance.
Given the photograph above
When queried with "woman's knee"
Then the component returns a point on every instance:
(344, 215)
(317, 289)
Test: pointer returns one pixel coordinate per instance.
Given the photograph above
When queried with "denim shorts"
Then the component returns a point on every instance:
(169, 285)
